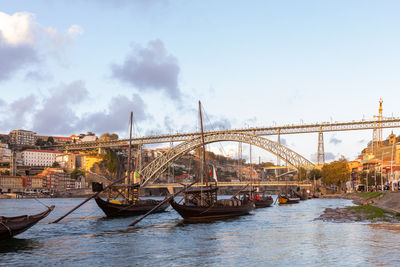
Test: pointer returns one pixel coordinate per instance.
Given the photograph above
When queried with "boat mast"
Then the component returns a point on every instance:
(204, 147)
(130, 148)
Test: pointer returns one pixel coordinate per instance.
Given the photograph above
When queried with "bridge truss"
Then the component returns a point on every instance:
(260, 131)
(161, 163)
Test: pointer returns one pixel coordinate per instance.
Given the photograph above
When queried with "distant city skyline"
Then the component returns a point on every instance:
(69, 67)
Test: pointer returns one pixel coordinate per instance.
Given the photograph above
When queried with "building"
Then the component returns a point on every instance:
(35, 157)
(88, 161)
(11, 183)
(88, 138)
(5, 153)
(33, 182)
(69, 161)
(22, 138)
(57, 179)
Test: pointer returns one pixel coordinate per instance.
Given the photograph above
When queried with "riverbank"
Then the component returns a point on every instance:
(371, 207)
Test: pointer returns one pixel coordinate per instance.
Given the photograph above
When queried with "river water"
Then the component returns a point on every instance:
(274, 236)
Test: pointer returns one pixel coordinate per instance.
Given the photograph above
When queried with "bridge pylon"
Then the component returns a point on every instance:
(320, 152)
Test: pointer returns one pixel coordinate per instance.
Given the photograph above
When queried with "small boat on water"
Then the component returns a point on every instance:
(260, 199)
(202, 205)
(287, 199)
(129, 206)
(263, 201)
(11, 226)
(303, 194)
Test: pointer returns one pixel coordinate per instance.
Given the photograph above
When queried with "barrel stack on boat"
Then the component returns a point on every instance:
(11, 226)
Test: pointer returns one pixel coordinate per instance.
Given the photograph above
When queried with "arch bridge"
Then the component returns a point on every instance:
(161, 163)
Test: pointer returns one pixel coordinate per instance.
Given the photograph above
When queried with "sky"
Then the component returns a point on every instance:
(69, 67)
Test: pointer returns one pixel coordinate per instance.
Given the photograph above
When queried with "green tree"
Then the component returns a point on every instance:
(39, 142)
(301, 174)
(315, 173)
(114, 136)
(76, 173)
(335, 172)
(111, 160)
(50, 140)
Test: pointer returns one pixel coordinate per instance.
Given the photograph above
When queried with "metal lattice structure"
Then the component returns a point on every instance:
(161, 163)
(321, 150)
(261, 131)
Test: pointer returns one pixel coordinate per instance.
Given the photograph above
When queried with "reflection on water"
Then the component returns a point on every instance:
(279, 235)
(15, 245)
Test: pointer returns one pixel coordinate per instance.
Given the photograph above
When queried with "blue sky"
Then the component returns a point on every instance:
(76, 66)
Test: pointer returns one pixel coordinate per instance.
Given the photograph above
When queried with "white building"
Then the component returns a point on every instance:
(88, 138)
(34, 157)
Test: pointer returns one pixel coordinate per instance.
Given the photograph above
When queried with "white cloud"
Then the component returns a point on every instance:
(75, 30)
(17, 28)
(25, 43)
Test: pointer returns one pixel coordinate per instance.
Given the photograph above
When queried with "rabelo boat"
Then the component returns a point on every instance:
(123, 199)
(11, 226)
(202, 204)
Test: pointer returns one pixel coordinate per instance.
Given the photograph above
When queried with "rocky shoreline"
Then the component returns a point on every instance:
(371, 207)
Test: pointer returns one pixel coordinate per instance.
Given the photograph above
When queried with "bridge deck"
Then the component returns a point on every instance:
(229, 184)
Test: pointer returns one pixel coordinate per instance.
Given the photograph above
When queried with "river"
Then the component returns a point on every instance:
(274, 236)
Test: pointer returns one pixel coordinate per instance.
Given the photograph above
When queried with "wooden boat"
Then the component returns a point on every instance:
(131, 206)
(11, 226)
(198, 209)
(202, 204)
(263, 201)
(123, 199)
(260, 199)
(286, 199)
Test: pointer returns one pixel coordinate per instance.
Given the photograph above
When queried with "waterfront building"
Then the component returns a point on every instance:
(35, 157)
(10, 184)
(33, 182)
(22, 138)
(57, 179)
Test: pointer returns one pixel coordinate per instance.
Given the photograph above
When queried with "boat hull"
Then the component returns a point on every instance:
(11, 226)
(263, 202)
(288, 200)
(293, 200)
(200, 213)
(122, 210)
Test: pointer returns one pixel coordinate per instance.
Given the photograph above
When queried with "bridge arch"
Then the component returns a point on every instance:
(161, 163)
